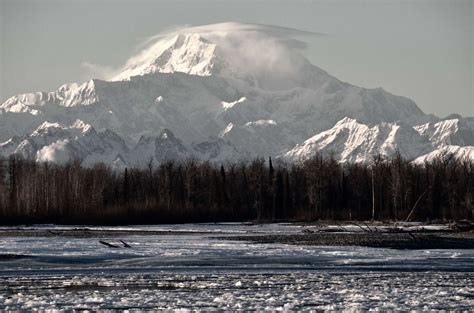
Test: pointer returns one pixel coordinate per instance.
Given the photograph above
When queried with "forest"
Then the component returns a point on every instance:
(260, 190)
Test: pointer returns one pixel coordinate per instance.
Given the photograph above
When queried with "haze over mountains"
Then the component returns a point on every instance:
(223, 92)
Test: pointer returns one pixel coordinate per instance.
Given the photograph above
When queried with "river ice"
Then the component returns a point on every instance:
(190, 269)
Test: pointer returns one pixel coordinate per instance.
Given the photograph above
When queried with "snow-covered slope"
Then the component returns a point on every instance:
(455, 131)
(53, 142)
(223, 91)
(350, 141)
(462, 153)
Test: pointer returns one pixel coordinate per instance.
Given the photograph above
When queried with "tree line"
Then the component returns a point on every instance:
(258, 190)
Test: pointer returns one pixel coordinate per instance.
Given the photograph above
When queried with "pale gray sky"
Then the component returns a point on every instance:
(421, 49)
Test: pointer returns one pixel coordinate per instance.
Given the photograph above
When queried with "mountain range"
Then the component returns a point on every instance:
(223, 92)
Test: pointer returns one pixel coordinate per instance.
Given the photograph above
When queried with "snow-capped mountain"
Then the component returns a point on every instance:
(220, 92)
(56, 143)
(451, 131)
(350, 141)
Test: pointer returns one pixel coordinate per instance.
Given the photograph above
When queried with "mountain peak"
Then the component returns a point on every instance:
(262, 56)
(188, 53)
(347, 121)
(54, 128)
(351, 141)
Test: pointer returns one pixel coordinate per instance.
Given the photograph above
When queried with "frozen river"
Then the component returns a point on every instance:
(185, 266)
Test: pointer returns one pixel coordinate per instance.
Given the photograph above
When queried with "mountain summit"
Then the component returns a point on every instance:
(221, 92)
(269, 60)
(187, 53)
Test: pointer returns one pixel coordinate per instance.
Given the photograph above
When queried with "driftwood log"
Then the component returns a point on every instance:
(108, 244)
